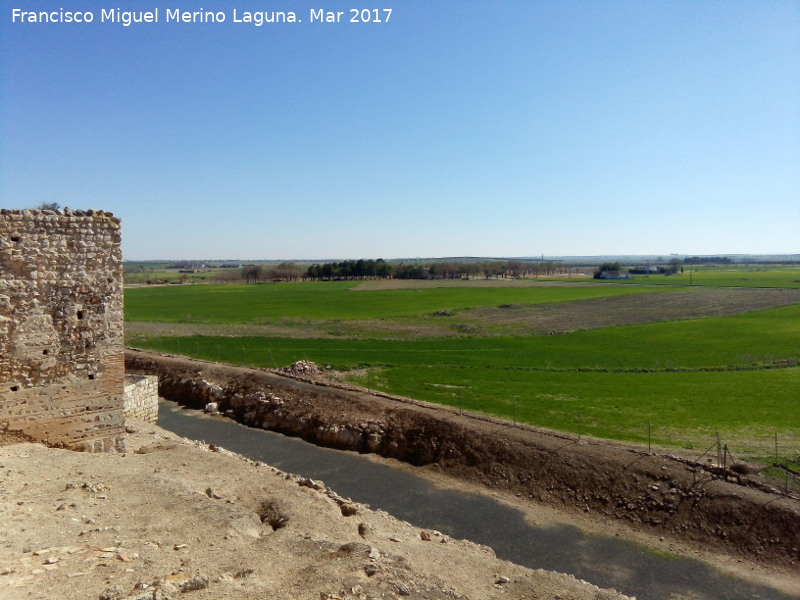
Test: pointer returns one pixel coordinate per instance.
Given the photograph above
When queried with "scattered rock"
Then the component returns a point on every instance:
(112, 593)
(354, 548)
(198, 582)
(302, 368)
(402, 588)
(364, 530)
(243, 573)
(271, 514)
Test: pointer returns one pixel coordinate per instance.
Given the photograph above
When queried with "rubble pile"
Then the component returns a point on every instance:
(302, 368)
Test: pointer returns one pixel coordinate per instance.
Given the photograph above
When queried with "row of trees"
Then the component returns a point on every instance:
(351, 269)
(707, 260)
(257, 273)
(675, 265)
(380, 269)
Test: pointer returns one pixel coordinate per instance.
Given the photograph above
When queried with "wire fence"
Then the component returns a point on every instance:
(720, 453)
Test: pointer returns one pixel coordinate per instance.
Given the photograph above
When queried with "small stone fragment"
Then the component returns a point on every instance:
(402, 588)
(112, 593)
(364, 530)
(198, 582)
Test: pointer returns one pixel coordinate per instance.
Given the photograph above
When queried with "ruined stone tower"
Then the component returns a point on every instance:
(61, 332)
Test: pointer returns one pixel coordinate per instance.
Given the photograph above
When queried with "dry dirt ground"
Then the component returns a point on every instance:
(690, 303)
(177, 519)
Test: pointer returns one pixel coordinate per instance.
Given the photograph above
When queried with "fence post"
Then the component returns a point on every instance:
(725, 460)
(649, 437)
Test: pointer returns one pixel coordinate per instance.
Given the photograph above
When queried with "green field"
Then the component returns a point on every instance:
(679, 381)
(334, 300)
(726, 276)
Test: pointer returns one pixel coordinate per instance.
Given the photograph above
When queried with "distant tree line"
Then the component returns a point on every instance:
(707, 260)
(380, 269)
(285, 271)
(615, 268)
(350, 269)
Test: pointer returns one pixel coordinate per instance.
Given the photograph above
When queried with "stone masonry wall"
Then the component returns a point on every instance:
(61, 331)
(141, 397)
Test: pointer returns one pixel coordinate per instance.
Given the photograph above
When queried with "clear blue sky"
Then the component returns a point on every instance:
(491, 128)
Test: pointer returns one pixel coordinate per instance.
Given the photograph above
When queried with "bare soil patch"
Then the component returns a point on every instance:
(674, 305)
(383, 328)
(402, 284)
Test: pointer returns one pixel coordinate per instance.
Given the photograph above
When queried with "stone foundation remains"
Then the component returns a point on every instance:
(61, 331)
(141, 397)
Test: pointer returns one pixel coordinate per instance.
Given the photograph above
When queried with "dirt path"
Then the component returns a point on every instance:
(620, 488)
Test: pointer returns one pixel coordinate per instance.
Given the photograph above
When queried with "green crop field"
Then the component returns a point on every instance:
(732, 370)
(334, 300)
(725, 276)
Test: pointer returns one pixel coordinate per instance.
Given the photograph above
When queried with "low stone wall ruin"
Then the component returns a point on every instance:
(141, 397)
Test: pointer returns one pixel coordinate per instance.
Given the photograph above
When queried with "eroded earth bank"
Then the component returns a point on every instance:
(659, 495)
